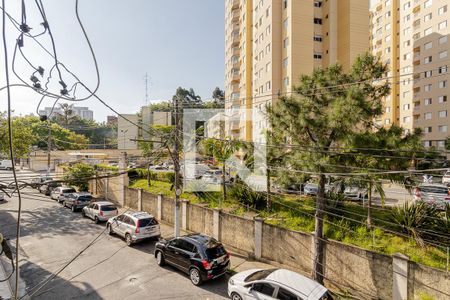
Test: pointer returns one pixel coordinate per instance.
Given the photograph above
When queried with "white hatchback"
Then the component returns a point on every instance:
(272, 284)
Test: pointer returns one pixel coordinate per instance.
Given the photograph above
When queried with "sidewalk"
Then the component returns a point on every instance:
(5, 289)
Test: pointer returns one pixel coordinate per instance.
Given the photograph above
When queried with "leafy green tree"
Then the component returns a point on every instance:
(326, 108)
(79, 175)
(221, 150)
(23, 137)
(188, 97)
(66, 116)
(378, 152)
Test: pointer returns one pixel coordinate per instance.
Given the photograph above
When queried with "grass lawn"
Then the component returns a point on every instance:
(297, 213)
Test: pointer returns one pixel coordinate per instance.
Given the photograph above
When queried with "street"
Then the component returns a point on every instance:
(52, 235)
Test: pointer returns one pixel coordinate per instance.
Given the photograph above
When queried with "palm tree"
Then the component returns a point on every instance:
(221, 150)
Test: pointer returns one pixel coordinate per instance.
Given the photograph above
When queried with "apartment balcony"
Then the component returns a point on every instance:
(416, 9)
(235, 40)
(235, 16)
(235, 4)
(235, 78)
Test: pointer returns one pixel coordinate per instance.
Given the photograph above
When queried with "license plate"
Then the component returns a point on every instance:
(220, 259)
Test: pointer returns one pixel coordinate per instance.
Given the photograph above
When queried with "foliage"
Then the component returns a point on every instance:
(247, 196)
(419, 220)
(139, 173)
(79, 175)
(22, 137)
(187, 96)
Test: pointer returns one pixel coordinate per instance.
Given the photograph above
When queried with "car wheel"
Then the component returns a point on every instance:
(235, 296)
(195, 277)
(109, 229)
(128, 240)
(96, 220)
(160, 258)
(73, 208)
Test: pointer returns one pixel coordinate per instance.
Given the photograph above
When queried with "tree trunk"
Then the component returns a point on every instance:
(369, 206)
(223, 183)
(319, 243)
(149, 177)
(269, 200)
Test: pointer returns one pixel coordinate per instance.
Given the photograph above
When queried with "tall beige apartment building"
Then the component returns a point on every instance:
(412, 37)
(270, 43)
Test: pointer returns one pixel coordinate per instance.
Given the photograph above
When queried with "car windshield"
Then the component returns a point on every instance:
(259, 275)
(147, 222)
(68, 191)
(84, 198)
(108, 208)
(434, 189)
(215, 252)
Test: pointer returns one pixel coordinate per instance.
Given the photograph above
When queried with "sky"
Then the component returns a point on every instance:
(177, 42)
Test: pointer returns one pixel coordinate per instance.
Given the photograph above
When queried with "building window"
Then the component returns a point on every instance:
(318, 21)
(317, 3)
(286, 62)
(317, 38)
(268, 86)
(387, 50)
(406, 119)
(427, 144)
(440, 144)
(428, 129)
(442, 114)
(286, 42)
(387, 3)
(442, 84)
(286, 23)
(285, 4)
(387, 39)
(427, 17)
(443, 69)
(442, 128)
(428, 3)
(388, 14)
(407, 31)
(428, 45)
(406, 94)
(407, 18)
(428, 101)
(442, 25)
(388, 109)
(428, 31)
(387, 27)
(428, 74)
(387, 121)
(442, 10)
(443, 54)
(428, 59)
(442, 99)
(406, 6)
(427, 116)
(443, 40)
(427, 87)
(406, 106)
(407, 43)
(407, 56)
(317, 55)
(286, 81)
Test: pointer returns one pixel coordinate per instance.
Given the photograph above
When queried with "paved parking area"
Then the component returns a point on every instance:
(52, 235)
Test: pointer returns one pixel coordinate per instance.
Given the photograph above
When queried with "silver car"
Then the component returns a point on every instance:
(433, 194)
(100, 211)
(77, 201)
(355, 193)
(134, 226)
(60, 192)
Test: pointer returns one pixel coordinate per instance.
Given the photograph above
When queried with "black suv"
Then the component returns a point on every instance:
(200, 256)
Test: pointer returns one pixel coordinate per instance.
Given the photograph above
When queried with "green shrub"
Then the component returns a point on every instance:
(135, 174)
(246, 196)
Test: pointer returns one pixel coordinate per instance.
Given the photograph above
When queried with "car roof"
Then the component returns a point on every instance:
(139, 214)
(433, 185)
(103, 203)
(200, 238)
(296, 282)
(82, 194)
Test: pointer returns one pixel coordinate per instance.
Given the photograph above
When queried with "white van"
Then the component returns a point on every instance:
(5, 165)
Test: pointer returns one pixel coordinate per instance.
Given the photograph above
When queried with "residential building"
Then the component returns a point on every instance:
(412, 38)
(126, 132)
(111, 120)
(82, 112)
(270, 43)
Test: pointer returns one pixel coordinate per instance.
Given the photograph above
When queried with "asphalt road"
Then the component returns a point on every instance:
(51, 235)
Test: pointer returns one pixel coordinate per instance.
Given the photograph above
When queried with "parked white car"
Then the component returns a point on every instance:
(60, 192)
(2, 196)
(134, 226)
(5, 164)
(100, 211)
(355, 193)
(432, 194)
(446, 178)
(272, 284)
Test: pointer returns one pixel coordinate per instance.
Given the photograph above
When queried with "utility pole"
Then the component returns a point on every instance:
(176, 158)
(49, 146)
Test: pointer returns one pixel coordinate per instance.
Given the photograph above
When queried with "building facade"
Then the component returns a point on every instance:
(269, 44)
(412, 36)
(111, 120)
(82, 112)
(127, 132)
